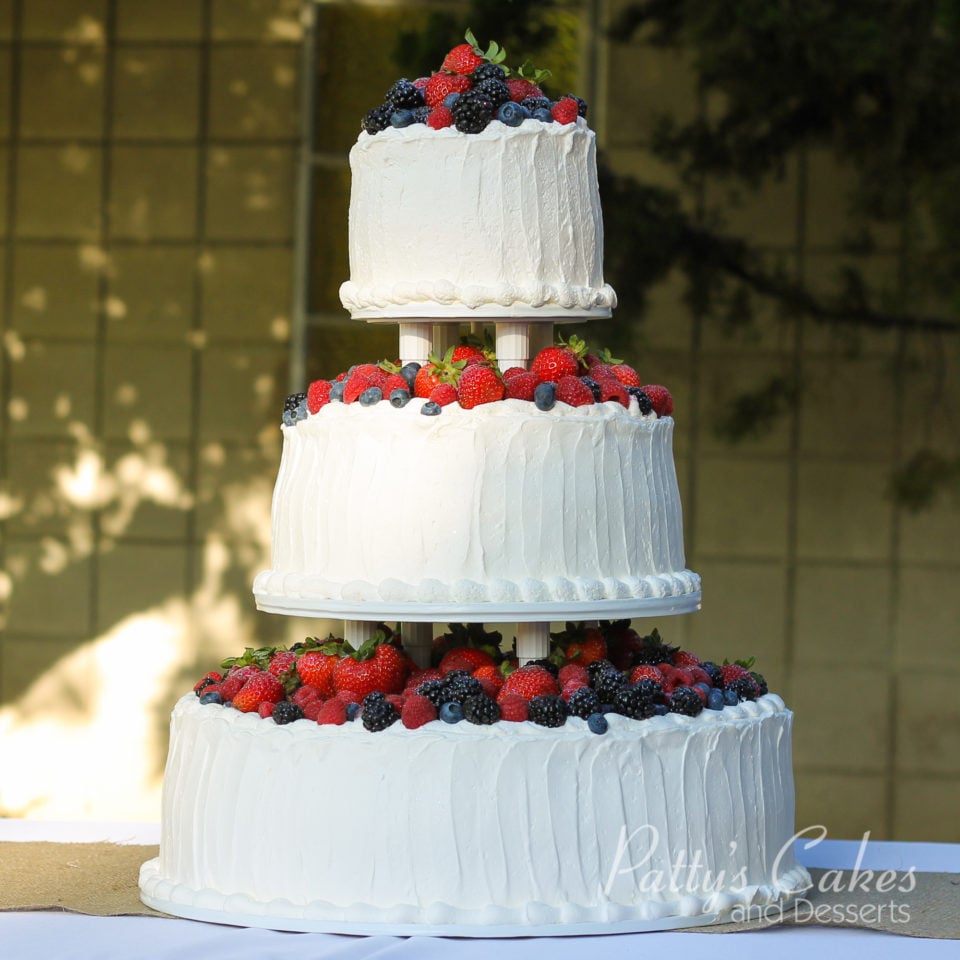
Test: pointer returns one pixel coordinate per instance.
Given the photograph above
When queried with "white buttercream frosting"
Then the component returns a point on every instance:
(503, 223)
(507, 824)
(500, 504)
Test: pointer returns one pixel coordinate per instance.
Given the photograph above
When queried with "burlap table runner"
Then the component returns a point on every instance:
(100, 879)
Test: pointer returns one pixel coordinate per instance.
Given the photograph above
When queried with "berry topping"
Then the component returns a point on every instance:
(573, 391)
(440, 117)
(530, 681)
(686, 701)
(451, 712)
(378, 714)
(597, 723)
(318, 395)
(660, 399)
(548, 711)
(545, 395)
(481, 709)
(404, 95)
(443, 394)
(441, 85)
(286, 712)
(479, 384)
(565, 110)
(417, 711)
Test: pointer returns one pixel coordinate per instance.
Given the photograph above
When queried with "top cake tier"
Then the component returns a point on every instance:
(505, 223)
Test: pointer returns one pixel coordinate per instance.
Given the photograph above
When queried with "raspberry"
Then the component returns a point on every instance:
(357, 382)
(573, 391)
(333, 711)
(521, 386)
(318, 395)
(514, 708)
(417, 711)
(266, 709)
(565, 110)
(312, 708)
(511, 372)
(660, 398)
(439, 117)
(573, 671)
(520, 89)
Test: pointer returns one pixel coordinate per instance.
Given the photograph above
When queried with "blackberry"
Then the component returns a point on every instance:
(434, 691)
(760, 681)
(420, 114)
(597, 666)
(714, 672)
(403, 95)
(633, 702)
(593, 387)
(488, 71)
(685, 700)
(606, 683)
(472, 112)
(495, 91)
(535, 103)
(581, 104)
(481, 709)
(378, 714)
(546, 664)
(654, 651)
(548, 711)
(293, 401)
(743, 687)
(583, 702)
(643, 401)
(460, 689)
(294, 408)
(286, 711)
(377, 119)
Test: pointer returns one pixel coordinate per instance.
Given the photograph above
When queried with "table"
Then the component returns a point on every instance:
(67, 936)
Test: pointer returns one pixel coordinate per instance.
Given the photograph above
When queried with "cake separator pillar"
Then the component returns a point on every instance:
(533, 641)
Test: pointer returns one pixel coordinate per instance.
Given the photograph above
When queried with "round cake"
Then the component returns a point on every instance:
(501, 504)
(493, 830)
(502, 223)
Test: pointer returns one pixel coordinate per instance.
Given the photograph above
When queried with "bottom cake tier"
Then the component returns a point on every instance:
(495, 830)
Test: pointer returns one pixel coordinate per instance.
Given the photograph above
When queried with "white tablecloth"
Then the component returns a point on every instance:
(27, 936)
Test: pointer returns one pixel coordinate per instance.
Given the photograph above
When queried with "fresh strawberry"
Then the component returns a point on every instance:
(311, 709)
(443, 394)
(479, 384)
(646, 671)
(235, 680)
(512, 372)
(318, 395)
(266, 709)
(683, 658)
(491, 675)
(439, 117)
(660, 398)
(625, 374)
(574, 391)
(520, 89)
(357, 382)
(378, 377)
(315, 668)
(441, 85)
(513, 708)
(261, 687)
(733, 671)
(437, 370)
(522, 386)
(377, 665)
(586, 648)
(417, 711)
(465, 658)
(469, 355)
(573, 671)
(565, 110)
(552, 363)
(281, 662)
(529, 681)
(333, 711)
(462, 59)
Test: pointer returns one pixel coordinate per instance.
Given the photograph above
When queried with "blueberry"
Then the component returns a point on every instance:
(511, 114)
(370, 396)
(660, 710)
(289, 418)
(336, 391)
(545, 395)
(352, 710)
(401, 118)
(399, 398)
(450, 99)
(543, 114)
(715, 699)
(213, 697)
(430, 409)
(597, 723)
(705, 687)
(730, 698)
(451, 712)
(409, 372)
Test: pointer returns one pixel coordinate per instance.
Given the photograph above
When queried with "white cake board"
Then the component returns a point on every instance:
(519, 612)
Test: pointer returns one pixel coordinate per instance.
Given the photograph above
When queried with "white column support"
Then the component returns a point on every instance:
(357, 632)
(445, 335)
(416, 341)
(533, 641)
(541, 335)
(418, 641)
(513, 343)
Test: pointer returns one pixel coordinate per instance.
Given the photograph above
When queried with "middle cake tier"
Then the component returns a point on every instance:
(501, 504)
